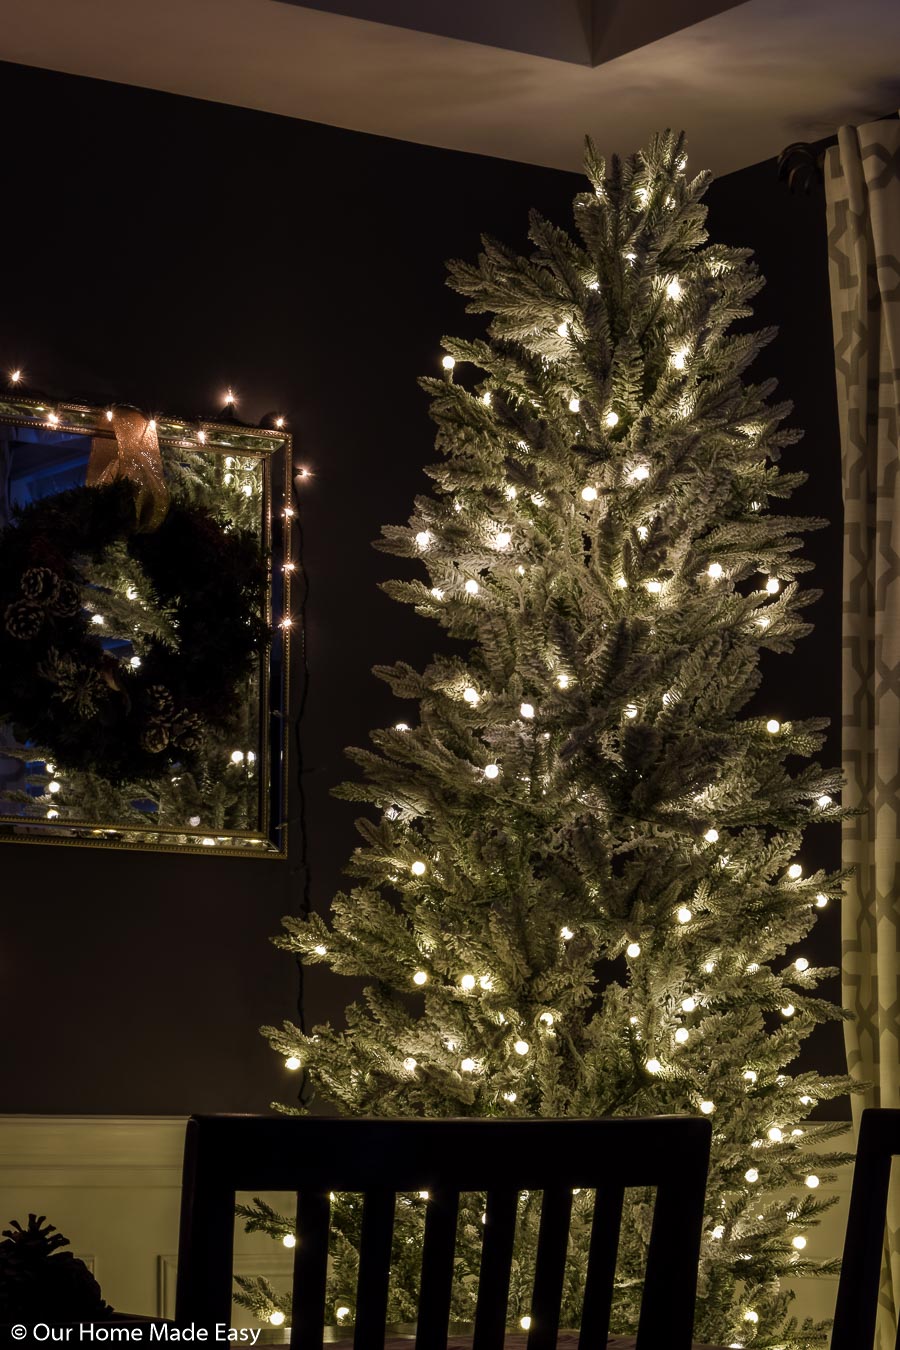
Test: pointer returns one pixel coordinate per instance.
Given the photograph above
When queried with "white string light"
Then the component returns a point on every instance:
(589, 494)
(467, 982)
(320, 949)
(654, 587)
(707, 1107)
(472, 587)
(653, 1066)
(683, 915)
(773, 726)
(420, 977)
(521, 1047)
(492, 770)
(631, 710)
(526, 710)
(821, 901)
(566, 934)
(574, 405)
(289, 1240)
(292, 1063)
(276, 1318)
(640, 474)
(612, 418)
(470, 695)
(750, 1075)
(775, 1135)
(674, 290)
(448, 362)
(682, 1035)
(633, 950)
(798, 1242)
(712, 836)
(795, 871)
(423, 539)
(812, 1181)
(823, 801)
(773, 586)
(788, 1010)
(716, 571)
(751, 1175)
(801, 964)
(410, 1064)
(688, 1004)
(418, 868)
(467, 1065)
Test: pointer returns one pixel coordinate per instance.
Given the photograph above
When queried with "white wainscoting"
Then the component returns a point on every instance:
(112, 1184)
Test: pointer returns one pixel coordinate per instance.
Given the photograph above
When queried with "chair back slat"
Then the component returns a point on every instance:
(206, 1238)
(374, 1269)
(677, 1222)
(550, 1267)
(496, 1268)
(856, 1310)
(310, 1269)
(601, 1269)
(437, 1268)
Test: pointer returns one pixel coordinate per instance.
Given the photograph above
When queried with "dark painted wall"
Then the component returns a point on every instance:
(158, 249)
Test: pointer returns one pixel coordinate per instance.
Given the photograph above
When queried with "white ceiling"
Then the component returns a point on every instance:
(742, 83)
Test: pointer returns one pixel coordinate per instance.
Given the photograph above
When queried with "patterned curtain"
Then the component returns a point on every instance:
(862, 186)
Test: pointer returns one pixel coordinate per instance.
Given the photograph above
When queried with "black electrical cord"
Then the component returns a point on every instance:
(301, 867)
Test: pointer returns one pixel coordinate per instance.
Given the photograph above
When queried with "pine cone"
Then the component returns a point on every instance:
(161, 701)
(187, 731)
(38, 1281)
(155, 737)
(23, 620)
(67, 601)
(40, 585)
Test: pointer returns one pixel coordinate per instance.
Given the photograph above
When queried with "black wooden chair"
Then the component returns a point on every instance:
(857, 1298)
(314, 1155)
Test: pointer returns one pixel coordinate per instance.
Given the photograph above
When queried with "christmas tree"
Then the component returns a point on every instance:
(583, 879)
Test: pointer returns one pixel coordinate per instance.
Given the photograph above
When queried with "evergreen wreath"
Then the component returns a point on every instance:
(62, 690)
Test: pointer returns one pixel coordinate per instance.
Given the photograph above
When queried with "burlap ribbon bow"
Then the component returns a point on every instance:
(134, 454)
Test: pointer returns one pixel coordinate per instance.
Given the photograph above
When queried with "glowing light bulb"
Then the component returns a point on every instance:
(525, 1322)
(401, 726)
(201, 435)
(276, 1318)
(683, 915)
(247, 489)
(510, 1096)
(678, 360)
(468, 1065)
(237, 756)
(707, 1107)
(520, 571)
(279, 422)
(563, 329)
(342, 1312)
(795, 871)
(574, 405)
(751, 1175)
(152, 424)
(718, 1232)
(640, 474)
(53, 419)
(709, 967)
(622, 583)
(563, 681)
(801, 964)
(688, 1004)
(823, 801)
(502, 539)
(510, 494)
(546, 1019)
(526, 710)
(486, 398)
(423, 539)
(773, 586)
(712, 836)
(751, 1316)
(409, 1064)
(486, 982)
(588, 494)
(654, 587)
(492, 770)
(472, 587)
(521, 1047)
(773, 726)
(631, 710)
(821, 901)
(448, 362)
(633, 950)
(292, 1063)
(788, 1010)
(289, 1240)
(52, 814)
(812, 1181)
(54, 786)
(799, 1242)
(320, 949)
(716, 571)
(467, 982)
(566, 934)
(418, 868)
(682, 1035)
(763, 621)
(611, 419)
(420, 977)
(673, 290)
(470, 695)
(775, 1135)
(97, 619)
(653, 1066)
(437, 593)
(15, 376)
